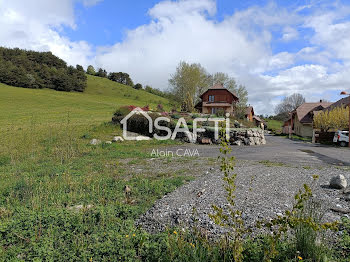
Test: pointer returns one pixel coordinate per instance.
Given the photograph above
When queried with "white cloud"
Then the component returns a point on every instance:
(37, 24)
(289, 34)
(184, 30)
(331, 33)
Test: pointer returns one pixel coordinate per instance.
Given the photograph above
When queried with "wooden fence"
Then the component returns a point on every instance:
(324, 137)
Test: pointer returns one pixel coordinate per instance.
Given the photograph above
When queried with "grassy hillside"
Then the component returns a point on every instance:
(20, 107)
(274, 125)
(47, 167)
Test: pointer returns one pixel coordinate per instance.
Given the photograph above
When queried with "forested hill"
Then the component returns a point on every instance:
(30, 69)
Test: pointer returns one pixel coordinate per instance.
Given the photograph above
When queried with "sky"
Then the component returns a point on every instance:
(274, 48)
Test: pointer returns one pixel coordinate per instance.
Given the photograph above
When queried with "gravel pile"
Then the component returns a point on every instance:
(262, 192)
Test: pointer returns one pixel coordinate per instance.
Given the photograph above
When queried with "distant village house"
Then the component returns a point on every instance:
(300, 121)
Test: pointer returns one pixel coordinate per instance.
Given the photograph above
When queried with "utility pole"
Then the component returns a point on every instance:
(347, 94)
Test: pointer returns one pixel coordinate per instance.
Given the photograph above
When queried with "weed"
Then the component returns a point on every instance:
(269, 163)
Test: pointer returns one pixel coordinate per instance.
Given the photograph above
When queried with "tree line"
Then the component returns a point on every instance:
(120, 77)
(31, 69)
(191, 80)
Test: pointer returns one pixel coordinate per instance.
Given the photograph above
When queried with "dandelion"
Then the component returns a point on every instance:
(126, 236)
(134, 235)
(175, 232)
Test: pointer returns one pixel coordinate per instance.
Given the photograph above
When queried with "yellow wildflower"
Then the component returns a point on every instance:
(300, 258)
(126, 236)
(134, 235)
(175, 232)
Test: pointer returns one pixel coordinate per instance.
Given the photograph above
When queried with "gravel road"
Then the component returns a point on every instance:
(263, 190)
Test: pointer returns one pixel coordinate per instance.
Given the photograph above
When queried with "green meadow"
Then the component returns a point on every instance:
(21, 107)
(48, 167)
(62, 199)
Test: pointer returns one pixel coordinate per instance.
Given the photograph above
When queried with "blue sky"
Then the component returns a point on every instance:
(274, 48)
(106, 22)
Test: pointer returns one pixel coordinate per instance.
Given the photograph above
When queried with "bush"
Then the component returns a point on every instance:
(138, 86)
(220, 112)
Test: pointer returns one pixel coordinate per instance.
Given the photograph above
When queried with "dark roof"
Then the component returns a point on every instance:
(220, 86)
(304, 111)
(342, 102)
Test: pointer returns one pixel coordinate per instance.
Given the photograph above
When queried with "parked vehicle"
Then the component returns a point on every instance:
(341, 138)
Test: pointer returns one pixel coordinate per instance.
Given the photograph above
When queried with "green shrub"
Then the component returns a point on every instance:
(220, 112)
(119, 114)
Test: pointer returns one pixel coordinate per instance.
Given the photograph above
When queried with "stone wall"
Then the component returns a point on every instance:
(238, 136)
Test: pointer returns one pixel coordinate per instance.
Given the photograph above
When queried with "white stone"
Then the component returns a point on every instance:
(117, 139)
(143, 138)
(95, 142)
(338, 182)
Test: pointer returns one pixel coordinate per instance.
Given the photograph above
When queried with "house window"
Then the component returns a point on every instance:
(213, 110)
(211, 98)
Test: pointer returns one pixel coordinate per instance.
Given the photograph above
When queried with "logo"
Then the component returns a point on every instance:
(181, 126)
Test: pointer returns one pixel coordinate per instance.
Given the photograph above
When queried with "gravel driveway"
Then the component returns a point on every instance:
(262, 192)
(264, 189)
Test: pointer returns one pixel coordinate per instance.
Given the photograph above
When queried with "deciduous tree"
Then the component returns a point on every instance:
(188, 81)
(289, 104)
(337, 118)
(91, 70)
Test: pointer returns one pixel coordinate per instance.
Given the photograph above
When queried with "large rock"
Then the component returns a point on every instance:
(338, 182)
(250, 141)
(237, 143)
(257, 140)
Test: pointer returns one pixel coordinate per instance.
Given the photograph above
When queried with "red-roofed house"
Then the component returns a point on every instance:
(217, 98)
